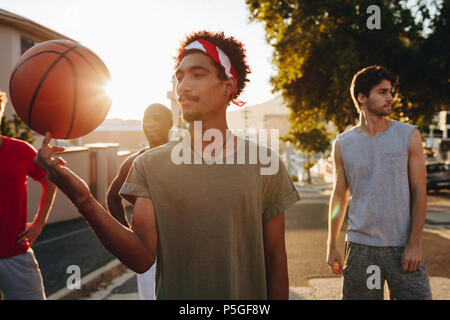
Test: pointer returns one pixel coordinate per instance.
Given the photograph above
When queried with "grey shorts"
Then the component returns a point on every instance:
(20, 278)
(366, 269)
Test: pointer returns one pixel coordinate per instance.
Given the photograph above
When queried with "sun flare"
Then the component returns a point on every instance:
(109, 89)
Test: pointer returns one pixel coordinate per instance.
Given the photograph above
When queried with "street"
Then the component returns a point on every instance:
(64, 244)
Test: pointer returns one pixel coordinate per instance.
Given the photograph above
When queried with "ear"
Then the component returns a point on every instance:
(362, 98)
(230, 84)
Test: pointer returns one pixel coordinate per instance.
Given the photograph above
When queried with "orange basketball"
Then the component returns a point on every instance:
(59, 86)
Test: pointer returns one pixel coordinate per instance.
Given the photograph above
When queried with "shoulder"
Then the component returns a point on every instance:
(415, 140)
(156, 154)
(346, 135)
(20, 145)
(407, 133)
(405, 127)
(129, 160)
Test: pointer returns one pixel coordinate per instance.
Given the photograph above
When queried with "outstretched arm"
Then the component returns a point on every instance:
(131, 246)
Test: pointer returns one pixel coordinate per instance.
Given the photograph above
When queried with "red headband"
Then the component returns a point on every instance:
(218, 56)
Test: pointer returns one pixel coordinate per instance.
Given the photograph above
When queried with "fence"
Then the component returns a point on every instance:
(97, 164)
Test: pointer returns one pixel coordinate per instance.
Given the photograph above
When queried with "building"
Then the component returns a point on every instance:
(127, 133)
(17, 35)
(273, 114)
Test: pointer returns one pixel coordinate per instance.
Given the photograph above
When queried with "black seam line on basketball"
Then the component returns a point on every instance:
(83, 57)
(34, 55)
(36, 91)
(75, 94)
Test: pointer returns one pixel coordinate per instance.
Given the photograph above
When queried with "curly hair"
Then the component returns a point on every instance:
(233, 48)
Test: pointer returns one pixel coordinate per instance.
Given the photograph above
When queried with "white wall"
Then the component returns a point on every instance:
(9, 55)
(63, 209)
(97, 174)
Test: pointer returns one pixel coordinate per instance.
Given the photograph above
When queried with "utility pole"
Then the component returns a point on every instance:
(245, 117)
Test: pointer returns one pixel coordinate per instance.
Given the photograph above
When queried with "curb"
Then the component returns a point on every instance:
(90, 282)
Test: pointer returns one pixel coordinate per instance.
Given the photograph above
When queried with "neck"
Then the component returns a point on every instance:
(371, 125)
(197, 129)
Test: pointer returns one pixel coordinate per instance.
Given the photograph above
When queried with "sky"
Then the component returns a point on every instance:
(138, 39)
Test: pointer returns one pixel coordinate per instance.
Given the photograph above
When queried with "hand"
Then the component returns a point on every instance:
(334, 260)
(45, 156)
(29, 235)
(72, 185)
(411, 258)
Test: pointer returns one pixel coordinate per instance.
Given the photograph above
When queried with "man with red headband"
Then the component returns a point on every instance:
(216, 228)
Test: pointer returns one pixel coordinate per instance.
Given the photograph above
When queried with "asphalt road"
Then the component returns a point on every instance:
(67, 243)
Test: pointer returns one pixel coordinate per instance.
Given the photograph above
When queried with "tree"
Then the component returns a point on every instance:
(308, 136)
(15, 128)
(319, 45)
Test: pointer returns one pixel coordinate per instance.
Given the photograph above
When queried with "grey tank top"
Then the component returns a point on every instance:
(376, 169)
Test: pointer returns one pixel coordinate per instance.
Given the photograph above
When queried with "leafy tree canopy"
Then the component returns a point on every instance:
(319, 45)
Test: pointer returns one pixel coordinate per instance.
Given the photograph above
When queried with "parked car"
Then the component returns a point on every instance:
(438, 175)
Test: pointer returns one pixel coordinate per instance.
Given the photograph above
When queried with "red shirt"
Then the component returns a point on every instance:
(16, 163)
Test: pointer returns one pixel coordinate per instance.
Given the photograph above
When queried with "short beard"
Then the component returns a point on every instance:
(380, 113)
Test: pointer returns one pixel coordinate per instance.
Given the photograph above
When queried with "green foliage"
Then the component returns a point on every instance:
(15, 128)
(294, 178)
(306, 134)
(319, 45)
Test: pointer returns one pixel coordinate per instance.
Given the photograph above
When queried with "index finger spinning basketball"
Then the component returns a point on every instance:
(59, 86)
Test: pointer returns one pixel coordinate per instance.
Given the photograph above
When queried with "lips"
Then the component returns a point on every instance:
(187, 98)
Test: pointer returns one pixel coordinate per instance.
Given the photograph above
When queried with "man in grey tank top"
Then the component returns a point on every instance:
(380, 161)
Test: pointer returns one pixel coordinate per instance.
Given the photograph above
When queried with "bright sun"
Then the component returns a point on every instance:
(109, 89)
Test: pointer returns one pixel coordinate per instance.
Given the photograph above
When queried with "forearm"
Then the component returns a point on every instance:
(47, 198)
(277, 279)
(121, 241)
(336, 216)
(117, 209)
(418, 214)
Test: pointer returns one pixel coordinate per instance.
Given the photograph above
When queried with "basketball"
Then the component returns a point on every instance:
(59, 86)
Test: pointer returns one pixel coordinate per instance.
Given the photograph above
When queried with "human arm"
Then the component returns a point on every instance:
(277, 279)
(337, 210)
(113, 198)
(412, 255)
(128, 245)
(34, 229)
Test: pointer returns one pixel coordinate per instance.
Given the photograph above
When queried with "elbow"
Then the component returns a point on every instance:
(142, 266)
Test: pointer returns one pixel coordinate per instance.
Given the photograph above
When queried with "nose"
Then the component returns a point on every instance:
(183, 86)
(390, 98)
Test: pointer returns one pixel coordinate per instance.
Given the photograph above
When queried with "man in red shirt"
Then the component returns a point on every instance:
(20, 276)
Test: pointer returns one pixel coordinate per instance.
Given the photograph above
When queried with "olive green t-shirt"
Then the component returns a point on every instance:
(210, 222)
